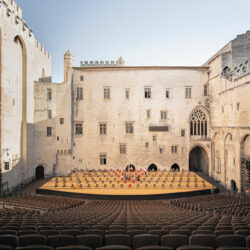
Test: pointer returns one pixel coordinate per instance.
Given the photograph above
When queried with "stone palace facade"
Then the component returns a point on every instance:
(106, 115)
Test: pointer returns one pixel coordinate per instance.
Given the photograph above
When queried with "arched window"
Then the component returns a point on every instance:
(198, 123)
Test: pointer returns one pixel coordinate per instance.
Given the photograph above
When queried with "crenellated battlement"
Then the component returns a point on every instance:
(13, 12)
(119, 63)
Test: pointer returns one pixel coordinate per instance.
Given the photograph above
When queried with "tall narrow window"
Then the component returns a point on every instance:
(49, 131)
(147, 92)
(61, 121)
(148, 113)
(78, 129)
(129, 128)
(183, 132)
(6, 165)
(163, 115)
(79, 93)
(205, 90)
(188, 92)
(123, 148)
(167, 94)
(49, 94)
(81, 78)
(127, 93)
(49, 114)
(174, 149)
(103, 129)
(106, 93)
(103, 159)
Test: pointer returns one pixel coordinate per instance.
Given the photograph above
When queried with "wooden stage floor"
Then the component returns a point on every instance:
(100, 183)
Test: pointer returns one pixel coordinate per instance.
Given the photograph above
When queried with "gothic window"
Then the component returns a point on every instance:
(198, 123)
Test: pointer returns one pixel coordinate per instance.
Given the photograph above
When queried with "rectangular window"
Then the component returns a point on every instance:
(163, 115)
(103, 129)
(146, 144)
(81, 78)
(154, 137)
(188, 92)
(238, 106)
(103, 159)
(147, 92)
(148, 113)
(160, 150)
(167, 93)
(49, 94)
(183, 132)
(106, 93)
(78, 129)
(49, 131)
(57, 138)
(61, 121)
(129, 128)
(123, 149)
(127, 93)
(205, 90)
(49, 114)
(173, 149)
(6, 165)
(79, 94)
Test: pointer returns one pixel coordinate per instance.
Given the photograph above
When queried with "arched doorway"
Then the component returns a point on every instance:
(245, 164)
(39, 172)
(198, 160)
(233, 185)
(152, 167)
(175, 167)
(130, 167)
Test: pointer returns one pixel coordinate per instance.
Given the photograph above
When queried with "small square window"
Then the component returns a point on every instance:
(154, 137)
(127, 93)
(163, 115)
(103, 129)
(49, 131)
(183, 132)
(6, 165)
(147, 93)
(129, 128)
(167, 93)
(78, 129)
(81, 78)
(103, 159)
(61, 121)
(106, 93)
(123, 148)
(148, 113)
(49, 114)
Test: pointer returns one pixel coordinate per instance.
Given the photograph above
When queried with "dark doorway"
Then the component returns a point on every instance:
(198, 160)
(152, 167)
(39, 172)
(175, 167)
(130, 167)
(233, 186)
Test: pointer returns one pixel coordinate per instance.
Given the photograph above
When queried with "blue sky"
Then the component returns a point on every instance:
(143, 32)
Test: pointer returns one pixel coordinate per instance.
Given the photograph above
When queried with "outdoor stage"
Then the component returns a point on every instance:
(127, 185)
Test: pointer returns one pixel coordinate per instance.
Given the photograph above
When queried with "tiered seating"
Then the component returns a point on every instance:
(220, 202)
(121, 179)
(129, 224)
